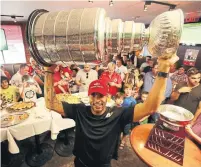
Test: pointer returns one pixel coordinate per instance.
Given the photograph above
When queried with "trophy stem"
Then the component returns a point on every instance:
(51, 101)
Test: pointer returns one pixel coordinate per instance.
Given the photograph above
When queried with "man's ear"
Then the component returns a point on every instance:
(90, 99)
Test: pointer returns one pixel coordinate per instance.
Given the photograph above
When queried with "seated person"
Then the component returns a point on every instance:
(8, 93)
(60, 84)
(29, 89)
(16, 79)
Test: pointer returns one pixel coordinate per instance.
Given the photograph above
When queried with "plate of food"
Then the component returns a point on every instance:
(71, 99)
(85, 100)
(13, 119)
(20, 106)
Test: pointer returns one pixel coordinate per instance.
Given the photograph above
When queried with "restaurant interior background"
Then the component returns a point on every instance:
(137, 11)
(17, 50)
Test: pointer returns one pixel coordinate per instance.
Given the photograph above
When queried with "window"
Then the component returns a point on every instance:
(15, 53)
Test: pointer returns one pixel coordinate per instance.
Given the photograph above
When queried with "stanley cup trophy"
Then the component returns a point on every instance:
(85, 35)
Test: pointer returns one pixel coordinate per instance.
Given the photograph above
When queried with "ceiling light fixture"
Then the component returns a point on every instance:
(146, 4)
(135, 17)
(111, 3)
(14, 18)
(90, 1)
(171, 6)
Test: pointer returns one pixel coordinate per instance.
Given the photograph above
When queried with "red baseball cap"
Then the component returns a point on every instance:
(98, 86)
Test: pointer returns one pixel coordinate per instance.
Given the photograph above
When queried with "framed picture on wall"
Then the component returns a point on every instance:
(190, 57)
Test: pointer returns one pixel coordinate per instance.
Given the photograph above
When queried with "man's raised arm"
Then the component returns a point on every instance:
(156, 95)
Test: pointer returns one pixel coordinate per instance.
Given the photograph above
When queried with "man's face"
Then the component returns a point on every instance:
(194, 80)
(129, 62)
(74, 73)
(111, 70)
(86, 68)
(24, 71)
(114, 57)
(144, 97)
(147, 59)
(172, 68)
(4, 84)
(118, 63)
(38, 71)
(151, 63)
(125, 58)
(181, 71)
(98, 102)
(155, 69)
(128, 92)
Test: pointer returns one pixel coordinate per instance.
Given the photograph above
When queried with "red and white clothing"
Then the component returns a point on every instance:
(68, 70)
(56, 78)
(116, 78)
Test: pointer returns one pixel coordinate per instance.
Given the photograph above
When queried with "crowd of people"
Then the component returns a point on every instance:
(129, 83)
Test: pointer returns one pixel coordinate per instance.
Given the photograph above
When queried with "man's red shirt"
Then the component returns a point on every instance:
(116, 78)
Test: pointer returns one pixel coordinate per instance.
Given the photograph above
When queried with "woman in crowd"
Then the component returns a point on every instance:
(60, 85)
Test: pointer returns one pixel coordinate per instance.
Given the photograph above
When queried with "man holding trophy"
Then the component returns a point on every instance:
(98, 128)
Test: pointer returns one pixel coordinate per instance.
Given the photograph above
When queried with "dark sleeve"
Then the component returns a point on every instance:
(178, 86)
(70, 110)
(127, 116)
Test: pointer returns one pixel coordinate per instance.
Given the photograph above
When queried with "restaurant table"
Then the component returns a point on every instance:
(138, 138)
(65, 143)
(39, 121)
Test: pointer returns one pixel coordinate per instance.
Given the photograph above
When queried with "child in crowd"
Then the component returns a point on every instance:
(29, 89)
(8, 94)
(119, 98)
(142, 99)
(129, 101)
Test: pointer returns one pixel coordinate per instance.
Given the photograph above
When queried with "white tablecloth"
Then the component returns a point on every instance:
(40, 120)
